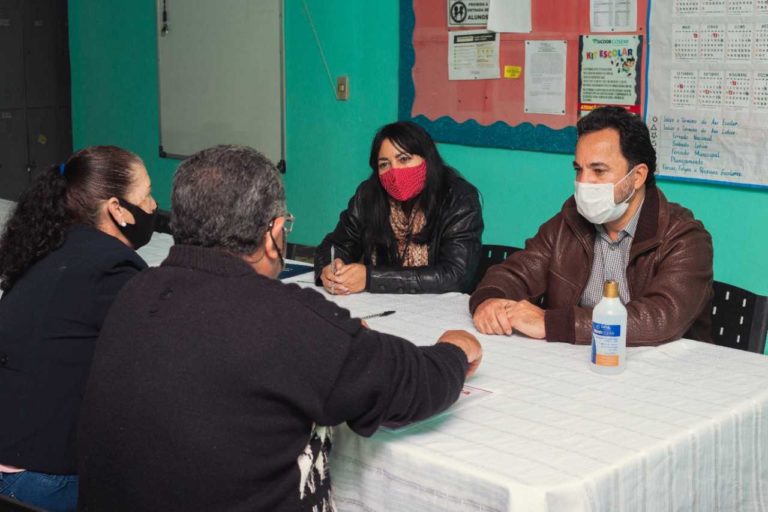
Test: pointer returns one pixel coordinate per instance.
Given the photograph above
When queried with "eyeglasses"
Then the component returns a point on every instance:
(287, 225)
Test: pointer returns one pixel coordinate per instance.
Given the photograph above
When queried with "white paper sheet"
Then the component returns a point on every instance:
(470, 396)
(509, 16)
(613, 15)
(545, 77)
(473, 55)
(465, 13)
(707, 103)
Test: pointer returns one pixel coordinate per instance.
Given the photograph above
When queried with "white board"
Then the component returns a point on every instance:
(220, 73)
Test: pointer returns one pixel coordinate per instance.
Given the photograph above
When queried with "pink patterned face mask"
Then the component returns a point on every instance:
(405, 183)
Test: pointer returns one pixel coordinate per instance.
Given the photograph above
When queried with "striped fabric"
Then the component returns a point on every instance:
(610, 262)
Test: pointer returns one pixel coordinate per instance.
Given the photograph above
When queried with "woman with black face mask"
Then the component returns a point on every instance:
(66, 251)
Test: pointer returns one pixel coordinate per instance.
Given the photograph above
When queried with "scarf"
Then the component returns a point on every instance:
(404, 227)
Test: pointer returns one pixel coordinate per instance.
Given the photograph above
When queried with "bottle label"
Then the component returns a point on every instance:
(605, 344)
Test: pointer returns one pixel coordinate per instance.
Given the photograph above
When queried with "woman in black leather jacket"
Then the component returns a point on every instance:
(414, 226)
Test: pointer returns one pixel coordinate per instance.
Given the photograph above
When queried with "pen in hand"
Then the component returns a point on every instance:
(384, 313)
(333, 259)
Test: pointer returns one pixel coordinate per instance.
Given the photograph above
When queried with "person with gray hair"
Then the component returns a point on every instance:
(225, 197)
(214, 385)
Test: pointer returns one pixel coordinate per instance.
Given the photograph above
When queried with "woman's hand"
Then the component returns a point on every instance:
(350, 278)
(330, 280)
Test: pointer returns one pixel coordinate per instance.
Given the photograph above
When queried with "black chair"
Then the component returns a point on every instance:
(739, 318)
(491, 255)
(300, 252)
(163, 221)
(8, 504)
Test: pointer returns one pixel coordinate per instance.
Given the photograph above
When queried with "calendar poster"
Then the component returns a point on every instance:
(707, 95)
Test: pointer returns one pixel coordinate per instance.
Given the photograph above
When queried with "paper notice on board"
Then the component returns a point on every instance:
(613, 15)
(467, 13)
(707, 102)
(509, 16)
(473, 55)
(545, 77)
(609, 72)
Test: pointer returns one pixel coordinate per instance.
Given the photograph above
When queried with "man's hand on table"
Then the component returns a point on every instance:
(527, 319)
(469, 344)
(502, 316)
(491, 317)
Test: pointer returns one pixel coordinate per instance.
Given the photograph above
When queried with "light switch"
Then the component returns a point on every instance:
(342, 88)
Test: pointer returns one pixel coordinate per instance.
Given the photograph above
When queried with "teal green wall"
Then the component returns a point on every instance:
(114, 93)
(113, 57)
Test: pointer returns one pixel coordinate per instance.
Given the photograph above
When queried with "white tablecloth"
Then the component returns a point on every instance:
(682, 429)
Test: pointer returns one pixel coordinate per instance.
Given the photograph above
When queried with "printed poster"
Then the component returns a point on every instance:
(609, 72)
(473, 55)
(468, 13)
(613, 15)
(707, 102)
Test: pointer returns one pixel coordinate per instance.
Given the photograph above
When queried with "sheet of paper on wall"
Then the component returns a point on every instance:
(473, 55)
(545, 77)
(707, 102)
(467, 13)
(509, 16)
(613, 15)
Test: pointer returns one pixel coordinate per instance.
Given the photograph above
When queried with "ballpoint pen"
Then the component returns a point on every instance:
(383, 313)
(333, 259)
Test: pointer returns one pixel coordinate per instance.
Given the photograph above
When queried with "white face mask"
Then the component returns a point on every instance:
(595, 203)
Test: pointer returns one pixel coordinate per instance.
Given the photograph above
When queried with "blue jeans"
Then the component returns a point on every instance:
(55, 493)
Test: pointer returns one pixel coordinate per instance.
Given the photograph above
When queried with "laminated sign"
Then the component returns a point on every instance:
(468, 13)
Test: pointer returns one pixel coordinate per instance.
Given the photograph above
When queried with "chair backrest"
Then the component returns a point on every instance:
(163, 222)
(739, 318)
(491, 255)
(8, 504)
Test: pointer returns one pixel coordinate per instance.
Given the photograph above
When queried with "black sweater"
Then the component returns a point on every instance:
(212, 386)
(49, 321)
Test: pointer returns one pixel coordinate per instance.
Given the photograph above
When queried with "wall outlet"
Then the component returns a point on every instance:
(342, 88)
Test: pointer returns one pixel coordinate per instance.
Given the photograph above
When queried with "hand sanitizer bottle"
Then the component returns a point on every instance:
(609, 332)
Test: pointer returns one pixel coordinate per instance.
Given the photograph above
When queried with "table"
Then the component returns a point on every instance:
(684, 428)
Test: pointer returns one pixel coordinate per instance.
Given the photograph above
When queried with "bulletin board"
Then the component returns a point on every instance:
(703, 80)
(491, 112)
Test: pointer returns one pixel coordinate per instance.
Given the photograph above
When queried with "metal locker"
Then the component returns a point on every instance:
(14, 177)
(64, 124)
(34, 88)
(45, 38)
(42, 137)
(48, 136)
(12, 50)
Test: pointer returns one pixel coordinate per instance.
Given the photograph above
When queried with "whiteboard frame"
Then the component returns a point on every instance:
(165, 152)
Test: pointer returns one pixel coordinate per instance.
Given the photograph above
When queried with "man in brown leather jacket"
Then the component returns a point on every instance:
(618, 225)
